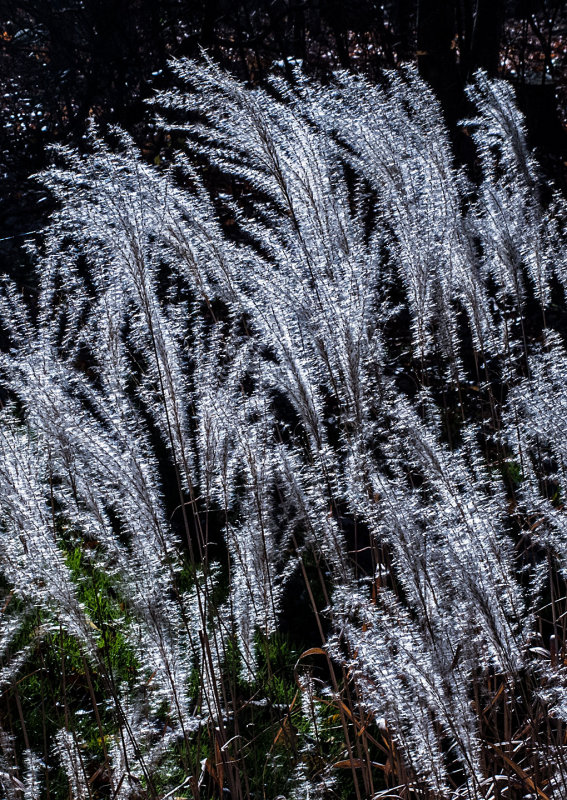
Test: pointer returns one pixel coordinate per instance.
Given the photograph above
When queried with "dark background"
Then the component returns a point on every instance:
(64, 61)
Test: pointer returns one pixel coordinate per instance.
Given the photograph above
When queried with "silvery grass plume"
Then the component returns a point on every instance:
(68, 750)
(338, 392)
(14, 782)
(95, 467)
(32, 562)
(394, 136)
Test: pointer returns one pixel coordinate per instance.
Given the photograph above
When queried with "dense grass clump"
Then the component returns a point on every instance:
(283, 464)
